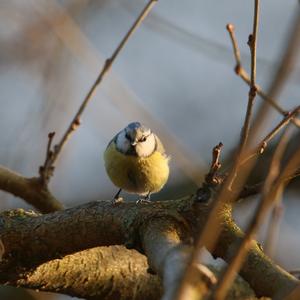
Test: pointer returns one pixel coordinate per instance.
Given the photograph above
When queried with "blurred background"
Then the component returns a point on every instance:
(175, 75)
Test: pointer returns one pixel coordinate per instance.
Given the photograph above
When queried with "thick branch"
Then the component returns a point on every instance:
(98, 273)
(263, 275)
(28, 239)
(167, 244)
(29, 189)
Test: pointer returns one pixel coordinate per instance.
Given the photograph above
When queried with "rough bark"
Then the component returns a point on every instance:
(167, 245)
(97, 273)
(162, 230)
(263, 275)
(29, 189)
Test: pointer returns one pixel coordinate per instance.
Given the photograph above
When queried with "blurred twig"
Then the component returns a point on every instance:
(65, 27)
(264, 143)
(273, 228)
(256, 188)
(243, 74)
(47, 170)
(267, 199)
(252, 41)
(285, 67)
(290, 117)
(212, 178)
(211, 224)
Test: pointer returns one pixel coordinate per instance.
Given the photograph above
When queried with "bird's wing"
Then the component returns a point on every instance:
(159, 146)
(113, 140)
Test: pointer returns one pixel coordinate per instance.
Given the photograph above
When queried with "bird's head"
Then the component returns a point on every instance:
(136, 139)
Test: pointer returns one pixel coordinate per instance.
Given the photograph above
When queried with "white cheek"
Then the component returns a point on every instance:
(146, 148)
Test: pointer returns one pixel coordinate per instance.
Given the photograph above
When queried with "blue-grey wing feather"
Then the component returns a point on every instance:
(159, 146)
(113, 140)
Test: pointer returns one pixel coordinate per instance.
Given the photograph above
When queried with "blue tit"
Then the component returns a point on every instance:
(135, 161)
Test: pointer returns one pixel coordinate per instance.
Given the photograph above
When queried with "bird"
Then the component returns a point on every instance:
(135, 161)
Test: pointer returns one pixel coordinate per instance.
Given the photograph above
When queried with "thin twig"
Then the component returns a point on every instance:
(260, 149)
(46, 174)
(286, 64)
(212, 225)
(256, 188)
(273, 229)
(281, 125)
(212, 178)
(267, 199)
(252, 42)
(45, 171)
(240, 71)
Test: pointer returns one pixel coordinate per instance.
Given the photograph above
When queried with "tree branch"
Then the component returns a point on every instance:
(229, 272)
(241, 72)
(167, 245)
(46, 171)
(162, 230)
(98, 273)
(29, 189)
(264, 276)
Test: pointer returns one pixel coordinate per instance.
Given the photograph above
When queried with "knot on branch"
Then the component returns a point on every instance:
(76, 123)
(253, 91)
(251, 40)
(238, 69)
(47, 169)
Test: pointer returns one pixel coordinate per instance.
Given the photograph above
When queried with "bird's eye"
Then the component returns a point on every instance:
(143, 139)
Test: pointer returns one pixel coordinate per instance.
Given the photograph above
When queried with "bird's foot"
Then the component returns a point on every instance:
(146, 199)
(143, 201)
(117, 200)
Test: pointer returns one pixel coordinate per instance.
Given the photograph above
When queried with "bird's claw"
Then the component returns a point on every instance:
(142, 200)
(117, 200)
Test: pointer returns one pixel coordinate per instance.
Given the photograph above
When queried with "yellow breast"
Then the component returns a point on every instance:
(136, 174)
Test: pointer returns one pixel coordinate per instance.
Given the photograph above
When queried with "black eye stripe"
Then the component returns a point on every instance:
(144, 138)
(127, 136)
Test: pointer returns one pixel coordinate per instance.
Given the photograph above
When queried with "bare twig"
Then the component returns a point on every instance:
(252, 41)
(267, 199)
(45, 175)
(240, 71)
(290, 116)
(260, 149)
(212, 178)
(286, 65)
(211, 223)
(46, 172)
(256, 188)
(273, 228)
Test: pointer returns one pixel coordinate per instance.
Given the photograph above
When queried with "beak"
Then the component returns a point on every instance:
(133, 143)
